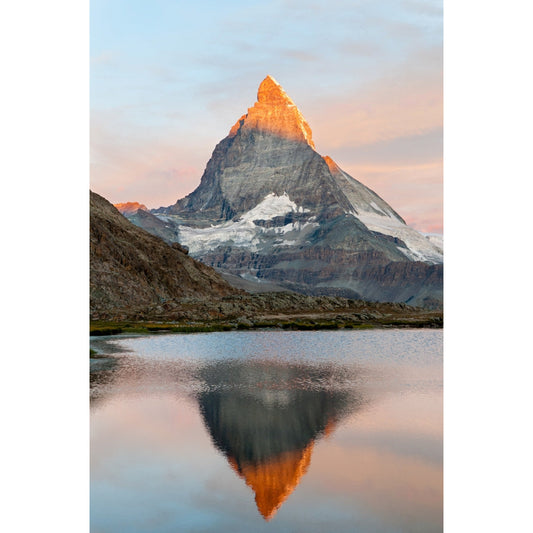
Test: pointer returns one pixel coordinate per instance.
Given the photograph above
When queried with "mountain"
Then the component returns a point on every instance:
(270, 208)
(129, 208)
(131, 268)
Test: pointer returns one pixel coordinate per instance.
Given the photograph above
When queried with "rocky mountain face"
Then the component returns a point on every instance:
(271, 210)
(131, 268)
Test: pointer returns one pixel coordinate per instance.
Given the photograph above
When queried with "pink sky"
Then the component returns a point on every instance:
(360, 133)
(368, 81)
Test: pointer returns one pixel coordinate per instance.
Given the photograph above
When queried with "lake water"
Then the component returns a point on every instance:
(329, 431)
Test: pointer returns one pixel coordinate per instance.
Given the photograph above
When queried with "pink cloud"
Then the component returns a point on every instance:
(392, 107)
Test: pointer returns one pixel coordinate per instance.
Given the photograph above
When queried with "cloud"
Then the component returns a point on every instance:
(299, 55)
(398, 104)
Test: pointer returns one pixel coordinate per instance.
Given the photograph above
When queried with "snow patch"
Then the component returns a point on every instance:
(436, 239)
(244, 232)
(419, 247)
(271, 207)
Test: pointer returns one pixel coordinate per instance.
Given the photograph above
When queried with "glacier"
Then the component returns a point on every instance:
(244, 232)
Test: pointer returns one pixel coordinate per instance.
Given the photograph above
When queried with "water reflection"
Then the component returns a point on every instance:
(265, 417)
(184, 437)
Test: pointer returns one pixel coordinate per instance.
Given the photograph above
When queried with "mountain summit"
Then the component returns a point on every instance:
(275, 113)
(269, 150)
(270, 208)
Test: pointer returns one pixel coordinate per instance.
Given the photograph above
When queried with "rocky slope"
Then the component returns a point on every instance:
(270, 209)
(131, 268)
(263, 310)
(165, 229)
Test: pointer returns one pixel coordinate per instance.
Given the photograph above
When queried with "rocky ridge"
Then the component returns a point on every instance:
(131, 268)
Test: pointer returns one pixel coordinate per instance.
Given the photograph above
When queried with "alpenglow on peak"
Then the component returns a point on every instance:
(275, 113)
(270, 209)
(271, 92)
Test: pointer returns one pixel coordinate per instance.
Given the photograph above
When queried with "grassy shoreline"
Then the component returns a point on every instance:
(100, 328)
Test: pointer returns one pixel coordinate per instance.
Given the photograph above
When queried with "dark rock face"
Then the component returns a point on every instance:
(131, 268)
(366, 275)
(270, 208)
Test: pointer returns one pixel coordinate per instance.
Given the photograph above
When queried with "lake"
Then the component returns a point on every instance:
(244, 431)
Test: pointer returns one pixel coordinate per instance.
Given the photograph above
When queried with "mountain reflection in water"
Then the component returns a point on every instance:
(265, 417)
(327, 431)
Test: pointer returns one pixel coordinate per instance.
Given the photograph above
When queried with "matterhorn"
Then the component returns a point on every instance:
(272, 213)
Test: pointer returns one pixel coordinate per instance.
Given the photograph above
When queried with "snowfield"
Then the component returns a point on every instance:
(245, 233)
(420, 247)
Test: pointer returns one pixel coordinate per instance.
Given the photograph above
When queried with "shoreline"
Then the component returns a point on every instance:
(433, 320)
